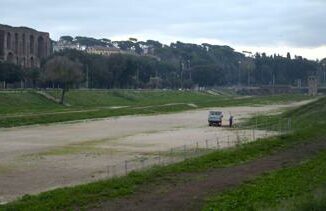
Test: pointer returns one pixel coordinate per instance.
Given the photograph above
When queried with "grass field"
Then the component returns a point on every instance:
(19, 108)
(297, 188)
(266, 192)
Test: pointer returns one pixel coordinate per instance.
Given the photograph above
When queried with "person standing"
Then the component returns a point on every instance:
(231, 121)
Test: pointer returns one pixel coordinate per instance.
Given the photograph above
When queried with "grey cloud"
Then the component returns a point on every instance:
(299, 23)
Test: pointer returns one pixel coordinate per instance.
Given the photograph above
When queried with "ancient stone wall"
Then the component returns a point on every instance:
(23, 46)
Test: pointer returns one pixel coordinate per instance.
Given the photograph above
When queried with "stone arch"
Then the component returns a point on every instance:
(31, 44)
(2, 43)
(10, 57)
(8, 41)
(40, 47)
(23, 62)
(24, 44)
(32, 62)
(16, 43)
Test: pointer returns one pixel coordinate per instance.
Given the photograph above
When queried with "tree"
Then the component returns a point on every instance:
(10, 73)
(67, 38)
(62, 70)
(32, 75)
(288, 56)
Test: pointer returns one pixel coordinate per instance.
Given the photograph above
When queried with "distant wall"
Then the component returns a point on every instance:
(23, 46)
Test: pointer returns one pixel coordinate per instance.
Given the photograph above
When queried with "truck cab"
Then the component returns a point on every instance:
(215, 118)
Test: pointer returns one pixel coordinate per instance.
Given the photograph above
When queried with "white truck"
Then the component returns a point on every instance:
(215, 118)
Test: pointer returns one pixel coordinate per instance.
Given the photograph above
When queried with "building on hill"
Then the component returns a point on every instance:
(64, 44)
(106, 51)
(23, 46)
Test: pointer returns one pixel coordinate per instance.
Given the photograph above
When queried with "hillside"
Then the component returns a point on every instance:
(29, 107)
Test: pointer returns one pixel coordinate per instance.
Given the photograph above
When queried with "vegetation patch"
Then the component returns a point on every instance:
(4, 168)
(271, 190)
(27, 108)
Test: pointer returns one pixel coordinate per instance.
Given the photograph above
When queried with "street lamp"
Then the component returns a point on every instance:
(239, 76)
(324, 68)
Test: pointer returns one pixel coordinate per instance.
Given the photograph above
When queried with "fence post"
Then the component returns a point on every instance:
(217, 143)
(142, 161)
(289, 123)
(228, 141)
(279, 124)
(206, 141)
(114, 169)
(108, 171)
(126, 167)
(197, 147)
(266, 133)
(253, 135)
(185, 151)
(256, 122)
(159, 158)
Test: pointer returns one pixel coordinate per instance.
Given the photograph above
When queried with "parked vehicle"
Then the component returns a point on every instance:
(215, 118)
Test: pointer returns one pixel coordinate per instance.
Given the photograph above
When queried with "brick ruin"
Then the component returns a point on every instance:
(23, 46)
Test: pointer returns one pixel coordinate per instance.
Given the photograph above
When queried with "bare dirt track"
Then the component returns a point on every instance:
(39, 158)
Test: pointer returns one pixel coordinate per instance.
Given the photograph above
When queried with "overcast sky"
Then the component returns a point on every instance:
(297, 26)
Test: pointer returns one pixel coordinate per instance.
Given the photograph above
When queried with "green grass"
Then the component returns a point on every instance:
(22, 102)
(26, 108)
(4, 169)
(105, 98)
(87, 99)
(302, 117)
(311, 200)
(271, 190)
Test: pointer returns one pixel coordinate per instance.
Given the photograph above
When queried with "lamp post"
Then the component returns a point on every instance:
(239, 75)
(324, 68)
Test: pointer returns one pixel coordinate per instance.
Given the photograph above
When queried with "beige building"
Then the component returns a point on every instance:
(104, 51)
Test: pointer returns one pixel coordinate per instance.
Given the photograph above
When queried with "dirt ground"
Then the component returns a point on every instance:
(39, 158)
(190, 193)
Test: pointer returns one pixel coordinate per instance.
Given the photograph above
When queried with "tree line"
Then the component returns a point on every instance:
(180, 65)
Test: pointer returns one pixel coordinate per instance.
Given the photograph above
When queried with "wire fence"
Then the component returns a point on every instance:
(238, 135)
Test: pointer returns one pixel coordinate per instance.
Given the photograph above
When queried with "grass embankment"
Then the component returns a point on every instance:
(19, 102)
(85, 195)
(297, 188)
(26, 108)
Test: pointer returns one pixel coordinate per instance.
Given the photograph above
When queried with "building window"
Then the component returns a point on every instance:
(16, 43)
(32, 62)
(31, 44)
(2, 45)
(24, 44)
(40, 47)
(10, 58)
(8, 41)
